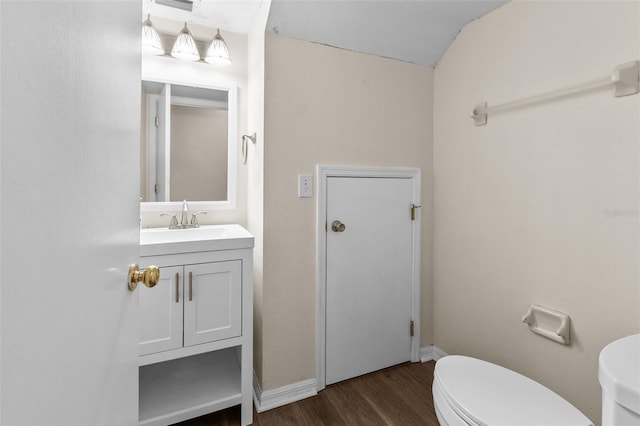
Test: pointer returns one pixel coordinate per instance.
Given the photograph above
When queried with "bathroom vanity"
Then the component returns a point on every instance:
(196, 324)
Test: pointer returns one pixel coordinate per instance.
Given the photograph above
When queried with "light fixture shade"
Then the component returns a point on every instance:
(218, 52)
(185, 47)
(151, 39)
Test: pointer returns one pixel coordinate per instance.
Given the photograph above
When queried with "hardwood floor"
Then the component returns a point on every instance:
(399, 395)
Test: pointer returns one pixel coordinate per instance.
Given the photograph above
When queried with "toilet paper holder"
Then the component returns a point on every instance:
(541, 320)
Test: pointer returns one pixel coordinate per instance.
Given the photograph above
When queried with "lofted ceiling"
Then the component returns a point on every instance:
(416, 31)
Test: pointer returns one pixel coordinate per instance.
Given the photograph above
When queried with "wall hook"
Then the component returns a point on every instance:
(253, 138)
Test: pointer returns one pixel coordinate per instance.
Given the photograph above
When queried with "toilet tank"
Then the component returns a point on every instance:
(619, 375)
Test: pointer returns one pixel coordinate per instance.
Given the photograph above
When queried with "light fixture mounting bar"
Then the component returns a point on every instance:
(177, 4)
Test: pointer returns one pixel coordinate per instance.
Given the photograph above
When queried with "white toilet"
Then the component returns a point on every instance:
(619, 374)
(468, 391)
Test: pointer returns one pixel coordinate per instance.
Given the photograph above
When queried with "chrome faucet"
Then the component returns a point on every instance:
(184, 219)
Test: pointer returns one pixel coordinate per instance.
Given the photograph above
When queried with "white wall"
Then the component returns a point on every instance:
(541, 204)
(335, 107)
(255, 168)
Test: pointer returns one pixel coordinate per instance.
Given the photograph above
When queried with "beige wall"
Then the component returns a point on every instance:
(541, 205)
(328, 106)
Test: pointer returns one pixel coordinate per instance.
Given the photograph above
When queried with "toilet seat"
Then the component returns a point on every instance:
(469, 391)
(445, 409)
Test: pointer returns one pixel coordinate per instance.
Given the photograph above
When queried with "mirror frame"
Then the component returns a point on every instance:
(232, 155)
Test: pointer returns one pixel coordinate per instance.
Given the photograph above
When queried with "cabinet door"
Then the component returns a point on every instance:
(212, 306)
(161, 310)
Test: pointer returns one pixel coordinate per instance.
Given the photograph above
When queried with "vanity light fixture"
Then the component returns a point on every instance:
(185, 47)
(151, 42)
(218, 52)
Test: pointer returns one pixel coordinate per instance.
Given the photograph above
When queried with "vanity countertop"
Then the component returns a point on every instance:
(164, 241)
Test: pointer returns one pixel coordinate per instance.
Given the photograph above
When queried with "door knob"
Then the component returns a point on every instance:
(337, 226)
(148, 276)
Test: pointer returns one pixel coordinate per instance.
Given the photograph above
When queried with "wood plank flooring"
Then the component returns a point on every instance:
(399, 395)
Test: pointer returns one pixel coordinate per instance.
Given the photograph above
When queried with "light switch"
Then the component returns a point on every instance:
(304, 186)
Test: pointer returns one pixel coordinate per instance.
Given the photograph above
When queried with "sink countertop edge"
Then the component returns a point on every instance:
(237, 238)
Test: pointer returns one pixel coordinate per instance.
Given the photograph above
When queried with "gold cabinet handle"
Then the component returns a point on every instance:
(190, 286)
(148, 276)
(177, 287)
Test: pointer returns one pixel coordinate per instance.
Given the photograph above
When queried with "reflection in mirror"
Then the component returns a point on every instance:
(184, 146)
(198, 153)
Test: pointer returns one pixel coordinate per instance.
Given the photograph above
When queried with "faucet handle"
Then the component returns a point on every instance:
(194, 217)
(174, 218)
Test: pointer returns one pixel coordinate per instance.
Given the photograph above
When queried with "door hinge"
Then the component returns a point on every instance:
(413, 211)
(411, 329)
(157, 121)
(155, 188)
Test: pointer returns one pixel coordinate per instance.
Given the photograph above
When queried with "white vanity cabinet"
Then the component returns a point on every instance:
(191, 304)
(196, 324)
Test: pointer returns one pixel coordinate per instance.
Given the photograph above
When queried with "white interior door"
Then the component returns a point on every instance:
(153, 111)
(163, 151)
(69, 173)
(368, 275)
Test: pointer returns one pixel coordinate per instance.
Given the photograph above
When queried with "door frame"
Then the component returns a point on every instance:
(323, 173)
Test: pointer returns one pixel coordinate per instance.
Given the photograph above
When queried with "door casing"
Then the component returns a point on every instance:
(323, 173)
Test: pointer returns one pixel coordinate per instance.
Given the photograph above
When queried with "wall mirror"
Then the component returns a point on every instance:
(187, 146)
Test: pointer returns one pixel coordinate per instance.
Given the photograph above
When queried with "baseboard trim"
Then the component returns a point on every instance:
(431, 353)
(284, 395)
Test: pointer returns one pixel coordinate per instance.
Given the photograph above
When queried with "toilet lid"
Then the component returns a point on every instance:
(619, 371)
(492, 395)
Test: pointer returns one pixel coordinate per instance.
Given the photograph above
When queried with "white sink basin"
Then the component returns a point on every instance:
(160, 241)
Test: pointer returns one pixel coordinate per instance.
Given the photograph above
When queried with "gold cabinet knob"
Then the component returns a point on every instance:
(149, 276)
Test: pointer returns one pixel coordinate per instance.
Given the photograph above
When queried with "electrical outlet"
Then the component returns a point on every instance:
(304, 186)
